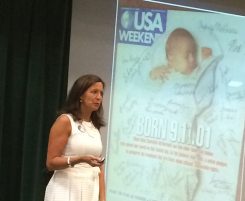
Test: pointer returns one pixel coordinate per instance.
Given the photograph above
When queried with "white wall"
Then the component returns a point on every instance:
(91, 49)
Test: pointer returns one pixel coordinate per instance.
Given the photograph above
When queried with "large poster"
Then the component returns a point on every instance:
(177, 109)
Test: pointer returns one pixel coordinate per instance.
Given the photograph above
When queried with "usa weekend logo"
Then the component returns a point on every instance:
(137, 26)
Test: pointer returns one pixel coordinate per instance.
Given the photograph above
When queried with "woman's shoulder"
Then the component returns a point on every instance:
(64, 118)
(62, 124)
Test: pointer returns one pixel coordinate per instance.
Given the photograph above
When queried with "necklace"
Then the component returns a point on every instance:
(82, 128)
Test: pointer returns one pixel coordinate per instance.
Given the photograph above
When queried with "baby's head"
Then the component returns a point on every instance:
(181, 51)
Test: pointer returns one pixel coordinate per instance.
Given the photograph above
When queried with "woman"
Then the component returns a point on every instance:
(75, 147)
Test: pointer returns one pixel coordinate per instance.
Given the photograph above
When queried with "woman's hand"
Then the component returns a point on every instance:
(93, 160)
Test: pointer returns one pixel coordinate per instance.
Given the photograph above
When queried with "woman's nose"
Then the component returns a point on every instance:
(99, 96)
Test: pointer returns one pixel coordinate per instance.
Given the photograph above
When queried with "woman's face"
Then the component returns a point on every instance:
(92, 97)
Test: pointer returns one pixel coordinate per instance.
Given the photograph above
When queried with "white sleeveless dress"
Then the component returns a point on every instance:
(81, 182)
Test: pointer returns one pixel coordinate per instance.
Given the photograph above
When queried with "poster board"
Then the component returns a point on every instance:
(176, 133)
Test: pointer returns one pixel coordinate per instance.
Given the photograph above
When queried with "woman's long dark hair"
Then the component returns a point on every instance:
(72, 104)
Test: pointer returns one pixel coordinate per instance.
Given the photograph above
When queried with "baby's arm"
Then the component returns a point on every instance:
(160, 73)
